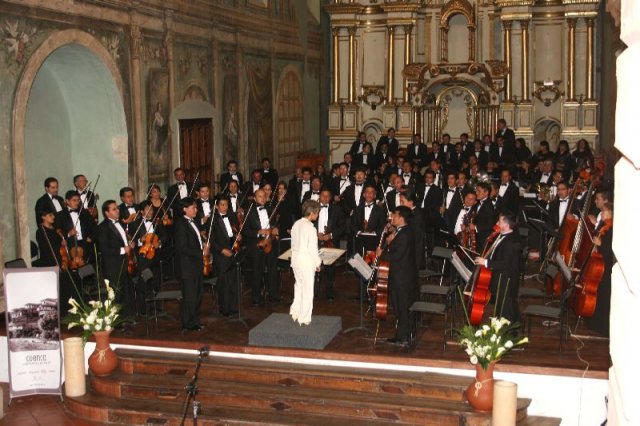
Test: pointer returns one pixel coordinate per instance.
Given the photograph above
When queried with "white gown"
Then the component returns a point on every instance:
(304, 261)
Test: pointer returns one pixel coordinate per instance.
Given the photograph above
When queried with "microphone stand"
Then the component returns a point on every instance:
(192, 390)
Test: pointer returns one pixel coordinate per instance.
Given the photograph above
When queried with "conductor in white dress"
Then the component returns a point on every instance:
(305, 262)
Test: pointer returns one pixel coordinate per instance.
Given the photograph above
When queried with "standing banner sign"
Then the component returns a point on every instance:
(33, 331)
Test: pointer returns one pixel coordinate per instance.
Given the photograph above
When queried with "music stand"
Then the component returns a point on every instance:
(545, 231)
(238, 258)
(368, 240)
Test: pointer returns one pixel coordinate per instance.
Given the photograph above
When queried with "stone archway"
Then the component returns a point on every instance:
(547, 129)
(91, 92)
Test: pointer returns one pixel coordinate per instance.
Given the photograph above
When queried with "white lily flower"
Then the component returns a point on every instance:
(98, 327)
(474, 360)
(107, 328)
(86, 327)
(508, 344)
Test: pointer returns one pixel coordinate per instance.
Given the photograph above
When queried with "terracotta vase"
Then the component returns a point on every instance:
(480, 391)
(103, 360)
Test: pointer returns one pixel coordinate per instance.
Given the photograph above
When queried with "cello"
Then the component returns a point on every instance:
(378, 287)
(585, 299)
(480, 281)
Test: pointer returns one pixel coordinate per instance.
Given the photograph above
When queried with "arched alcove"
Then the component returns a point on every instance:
(68, 119)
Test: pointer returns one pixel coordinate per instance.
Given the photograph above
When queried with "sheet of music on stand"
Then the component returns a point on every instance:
(361, 267)
(328, 255)
(462, 269)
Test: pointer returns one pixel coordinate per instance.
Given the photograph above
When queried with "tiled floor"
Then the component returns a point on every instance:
(37, 410)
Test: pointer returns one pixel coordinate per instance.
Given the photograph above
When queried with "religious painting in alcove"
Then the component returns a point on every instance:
(159, 153)
(259, 113)
(230, 107)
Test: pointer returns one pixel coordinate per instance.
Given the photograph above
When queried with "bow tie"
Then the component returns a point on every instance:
(343, 179)
(74, 210)
(205, 201)
(224, 216)
(407, 175)
(504, 184)
(358, 184)
(316, 192)
(148, 221)
(82, 192)
(546, 174)
(266, 170)
(232, 196)
(261, 208)
(324, 206)
(181, 184)
(368, 206)
(428, 185)
(305, 182)
(466, 209)
(451, 190)
(563, 201)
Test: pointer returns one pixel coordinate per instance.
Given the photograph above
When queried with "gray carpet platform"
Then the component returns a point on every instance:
(281, 331)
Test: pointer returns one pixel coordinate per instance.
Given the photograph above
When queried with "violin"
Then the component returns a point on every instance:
(236, 243)
(77, 256)
(132, 266)
(64, 253)
(166, 220)
(149, 246)
(266, 244)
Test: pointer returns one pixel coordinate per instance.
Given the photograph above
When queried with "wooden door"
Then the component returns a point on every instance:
(196, 149)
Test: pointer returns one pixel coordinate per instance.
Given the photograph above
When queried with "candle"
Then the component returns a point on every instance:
(505, 400)
(74, 378)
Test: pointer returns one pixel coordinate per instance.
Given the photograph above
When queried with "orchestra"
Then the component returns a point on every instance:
(437, 192)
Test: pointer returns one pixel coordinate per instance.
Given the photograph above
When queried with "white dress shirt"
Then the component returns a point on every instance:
(449, 197)
(75, 219)
(264, 217)
(55, 202)
(227, 226)
(123, 235)
(323, 218)
(357, 193)
(195, 229)
(368, 208)
(182, 188)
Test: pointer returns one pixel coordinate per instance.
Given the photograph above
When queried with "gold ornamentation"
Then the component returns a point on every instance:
(547, 92)
(454, 7)
(373, 95)
(136, 41)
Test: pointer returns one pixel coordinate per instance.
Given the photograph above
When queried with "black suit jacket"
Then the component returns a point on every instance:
(270, 176)
(417, 223)
(188, 250)
(376, 223)
(455, 160)
(110, 243)
(452, 212)
(510, 200)
(336, 223)
(87, 224)
(220, 240)
(420, 158)
(225, 178)
(431, 206)
(393, 145)
(509, 138)
(358, 161)
(355, 147)
(507, 157)
(348, 202)
(252, 226)
(483, 157)
(391, 199)
(200, 214)
(485, 221)
(504, 263)
(173, 196)
(336, 184)
(45, 203)
(553, 219)
(403, 270)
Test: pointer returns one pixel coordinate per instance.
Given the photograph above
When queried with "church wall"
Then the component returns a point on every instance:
(173, 52)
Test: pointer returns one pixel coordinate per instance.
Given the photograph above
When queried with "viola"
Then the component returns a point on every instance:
(64, 253)
(207, 264)
(585, 299)
(77, 256)
(149, 246)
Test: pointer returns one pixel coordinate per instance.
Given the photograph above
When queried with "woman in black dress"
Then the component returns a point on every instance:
(49, 241)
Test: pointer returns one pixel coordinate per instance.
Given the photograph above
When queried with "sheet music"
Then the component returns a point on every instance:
(362, 268)
(460, 267)
(563, 266)
(329, 256)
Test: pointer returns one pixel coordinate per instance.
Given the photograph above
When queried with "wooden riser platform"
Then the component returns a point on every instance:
(148, 388)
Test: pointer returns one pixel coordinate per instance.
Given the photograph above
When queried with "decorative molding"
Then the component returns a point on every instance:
(508, 3)
(454, 7)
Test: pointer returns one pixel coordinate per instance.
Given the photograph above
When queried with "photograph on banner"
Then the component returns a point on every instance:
(33, 331)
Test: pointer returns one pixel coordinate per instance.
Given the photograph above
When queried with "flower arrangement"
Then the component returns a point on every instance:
(96, 315)
(489, 343)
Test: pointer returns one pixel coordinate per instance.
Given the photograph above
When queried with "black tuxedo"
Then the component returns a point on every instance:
(348, 202)
(452, 212)
(87, 225)
(446, 154)
(248, 188)
(554, 212)
(391, 199)
(239, 198)
(227, 279)
(200, 215)
(376, 223)
(415, 179)
(356, 147)
(258, 259)
(358, 161)
(270, 176)
(483, 157)
(455, 160)
(430, 205)
(153, 264)
(226, 177)
(403, 278)
(174, 196)
(381, 158)
(337, 183)
(510, 200)
(485, 221)
(45, 203)
(189, 257)
(336, 226)
(298, 191)
(417, 223)
(393, 145)
(504, 263)
(420, 158)
(114, 264)
(505, 158)
(509, 137)
(440, 156)
(90, 198)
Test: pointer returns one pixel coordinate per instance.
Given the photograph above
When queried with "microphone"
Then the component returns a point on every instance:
(204, 351)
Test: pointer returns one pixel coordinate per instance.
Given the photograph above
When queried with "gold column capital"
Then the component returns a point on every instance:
(571, 22)
(335, 31)
(408, 28)
(524, 24)
(506, 25)
(391, 28)
(352, 30)
(590, 22)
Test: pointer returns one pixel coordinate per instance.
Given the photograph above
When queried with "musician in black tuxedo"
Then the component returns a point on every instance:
(223, 235)
(251, 186)
(501, 154)
(430, 200)
(206, 206)
(446, 148)
(256, 229)
(390, 141)
(504, 262)
(506, 133)
(88, 198)
(368, 217)
(353, 196)
(128, 208)
(301, 188)
(190, 251)
(403, 272)
(358, 145)
(453, 200)
(508, 194)
(485, 215)
(417, 222)
(393, 196)
(457, 157)
(481, 155)
(49, 242)
(340, 183)
(50, 201)
(316, 187)
(178, 190)
(331, 226)
(77, 225)
(436, 154)
(269, 174)
(114, 246)
(416, 152)
(558, 208)
(382, 156)
(235, 196)
(232, 173)
(141, 228)
(365, 159)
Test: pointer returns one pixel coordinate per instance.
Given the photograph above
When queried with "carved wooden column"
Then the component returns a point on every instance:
(352, 65)
(390, 67)
(524, 25)
(136, 96)
(589, 71)
(336, 65)
(407, 60)
(506, 44)
(571, 78)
